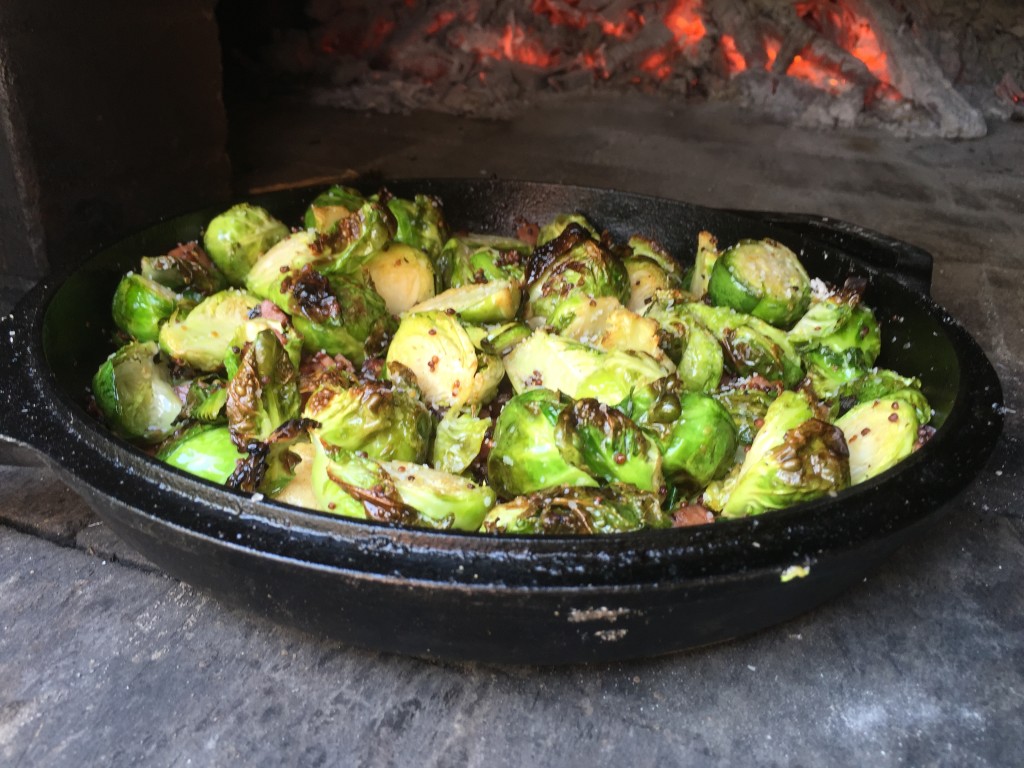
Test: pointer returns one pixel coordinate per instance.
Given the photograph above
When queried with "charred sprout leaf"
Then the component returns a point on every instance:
(646, 277)
(458, 442)
(236, 238)
(377, 419)
(402, 275)
(201, 337)
(470, 259)
(355, 239)
(653, 251)
(841, 324)
(605, 443)
(606, 324)
(142, 305)
(349, 485)
(298, 490)
(525, 455)
(133, 390)
(185, 268)
(204, 450)
(570, 511)
(557, 226)
(493, 302)
(694, 433)
(696, 351)
(573, 264)
(879, 434)
(205, 399)
(747, 405)
(337, 314)
(331, 206)
(762, 278)
(419, 223)
(442, 500)
(794, 457)
(264, 392)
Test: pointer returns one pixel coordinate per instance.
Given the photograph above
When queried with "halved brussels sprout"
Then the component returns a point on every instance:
(201, 337)
(468, 259)
(747, 405)
(879, 434)
(350, 485)
(493, 302)
(606, 324)
(443, 500)
(558, 225)
(331, 206)
(502, 339)
(695, 434)
(354, 239)
(842, 325)
(185, 268)
(378, 419)
(419, 223)
(338, 314)
(571, 510)
(605, 443)
(402, 275)
(205, 399)
(571, 265)
(238, 237)
(762, 278)
(458, 442)
(264, 391)
(646, 277)
(525, 456)
(298, 491)
(142, 305)
(204, 450)
(707, 255)
(794, 457)
(285, 258)
(651, 250)
(697, 352)
(134, 392)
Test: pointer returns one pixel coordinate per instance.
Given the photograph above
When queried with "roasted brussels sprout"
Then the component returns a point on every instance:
(419, 223)
(468, 259)
(283, 260)
(606, 444)
(377, 419)
(879, 434)
(747, 404)
(558, 225)
(762, 278)
(571, 510)
(133, 390)
(525, 456)
(142, 305)
(338, 314)
(646, 277)
(403, 276)
(442, 500)
(263, 393)
(238, 237)
(331, 206)
(794, 457)
(696, 351)
(355, 239)
(707, 255)
(205, 399)
(202, 336)
(185, 268)
(493, 302)
(606, 324)
(573, 264)
(459, 441)
(204, 450)
(694, 433)
(840, 323)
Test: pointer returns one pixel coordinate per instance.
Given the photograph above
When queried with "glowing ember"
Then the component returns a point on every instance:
(685, 23)
(771, 52)
(442, 20)
(514, 45)
(657, 65)
(734, 60)
(821, 76)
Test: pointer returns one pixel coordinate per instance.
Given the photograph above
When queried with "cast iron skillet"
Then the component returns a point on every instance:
(520, 600)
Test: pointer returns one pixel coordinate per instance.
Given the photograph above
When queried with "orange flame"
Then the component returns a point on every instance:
(514, 45)
(734, 60)
(685, 23)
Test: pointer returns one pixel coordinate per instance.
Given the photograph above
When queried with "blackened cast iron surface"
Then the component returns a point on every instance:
(521, 600)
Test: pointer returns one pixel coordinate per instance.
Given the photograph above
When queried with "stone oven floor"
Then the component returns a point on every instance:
(104, 661)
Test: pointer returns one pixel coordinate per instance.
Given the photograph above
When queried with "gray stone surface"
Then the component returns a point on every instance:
(922, 664)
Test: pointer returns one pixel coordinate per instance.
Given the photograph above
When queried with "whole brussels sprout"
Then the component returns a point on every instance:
(573, 264)
(134, 392)
(264, 391)
(378, 419)
(525, 456)
(142, 305)
(185, 268)
(840, 324)
(605, 443)
(402, 275)
(202, 336)
(338, 314)
(469, 259)
(204, 450)
(572, 511)
(762, 278)
(238, 237)
(694, 433)
(794, 457)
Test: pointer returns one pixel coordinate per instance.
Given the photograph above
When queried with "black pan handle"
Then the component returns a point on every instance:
(906, 263)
